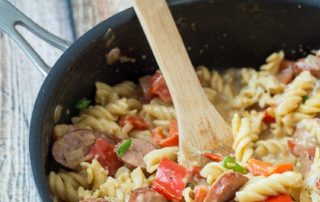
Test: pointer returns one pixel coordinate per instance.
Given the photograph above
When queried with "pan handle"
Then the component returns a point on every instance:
(10, 17)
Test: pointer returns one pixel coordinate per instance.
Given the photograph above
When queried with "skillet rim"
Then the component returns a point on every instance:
(44, 96)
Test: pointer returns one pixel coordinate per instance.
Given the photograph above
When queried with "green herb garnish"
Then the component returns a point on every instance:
(124, 147)
(230, 163)
(82, 104)
(305, 97)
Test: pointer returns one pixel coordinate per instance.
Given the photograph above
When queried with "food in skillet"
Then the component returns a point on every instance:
(123, 146)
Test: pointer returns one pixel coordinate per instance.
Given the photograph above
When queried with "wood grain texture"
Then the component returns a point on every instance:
(88, 13)
(201, 127)
(20, 82)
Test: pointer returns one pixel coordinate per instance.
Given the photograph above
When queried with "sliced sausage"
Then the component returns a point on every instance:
(133, 157)
(225, 187)
(94, 200)
(290, 69)
(72, 148)
(194, 177)
(305, 144)
(146, 195)
(306, 160)
(310, 63)
(286, 72)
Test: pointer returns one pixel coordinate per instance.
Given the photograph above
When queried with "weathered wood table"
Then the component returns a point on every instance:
(20, 82)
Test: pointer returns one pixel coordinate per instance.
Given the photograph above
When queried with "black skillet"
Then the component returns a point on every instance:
(218, 33)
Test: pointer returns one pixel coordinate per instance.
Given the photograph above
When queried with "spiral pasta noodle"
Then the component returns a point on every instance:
(153, 158)
(101, 125)
(133, 104)
(118, 108)
(211, 171)
(256, 120)
(61, 129)
(216, 82)
(97, 112)
(119, 187)
(259, 87)
(204, 75)
(64, 185)
(124, 182)
(294, 92)
(126, 89)
(311, 191)
(289, 101)
(160, 112)
(211, 94)
(142, 134)
(187, 194)
(259, 188)
(243, 138)
(273, 62)
(103, 93)
(96, 174)
(272, 146)
(311, 106)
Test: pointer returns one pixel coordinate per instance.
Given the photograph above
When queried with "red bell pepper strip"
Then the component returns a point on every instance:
(200, 193)
(213, 157)
(268, 118)
(171, 179)
(159, 87)
(258, 167)
(146, 86)
(137, 122)
(292, 145)
(104, 152)
(279, 198)
(159, 138)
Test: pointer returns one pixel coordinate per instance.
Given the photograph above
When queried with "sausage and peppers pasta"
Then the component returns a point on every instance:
(123, 145)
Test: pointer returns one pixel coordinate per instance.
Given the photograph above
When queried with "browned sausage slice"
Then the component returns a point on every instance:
(146, 195)
(73, 147)
(133, 157)
(94, 200)
(225, 187)
(311, 63)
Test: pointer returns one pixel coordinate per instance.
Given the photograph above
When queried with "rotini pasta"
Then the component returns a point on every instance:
(243, 138)
(152, 159)
(126, 89)
(259, 188)
(311, 183)
(160, 112)
(64, 185)
(96, 174)
(273, 62)
(103, 93)
(187, 192)
(129, 139)
(272, 146)
(212, 171)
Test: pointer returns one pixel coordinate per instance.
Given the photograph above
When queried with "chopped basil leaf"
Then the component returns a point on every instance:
(239, 169)
(82, 104)
(305, 97)
(124, 147)
(230, 163)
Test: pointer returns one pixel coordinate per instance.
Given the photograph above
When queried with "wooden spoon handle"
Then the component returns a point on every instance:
(178, 71)
(197, 118)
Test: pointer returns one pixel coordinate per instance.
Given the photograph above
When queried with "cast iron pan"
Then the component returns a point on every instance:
(218, 33)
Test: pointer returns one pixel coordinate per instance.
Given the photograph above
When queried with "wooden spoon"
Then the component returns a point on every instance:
(201, 128)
